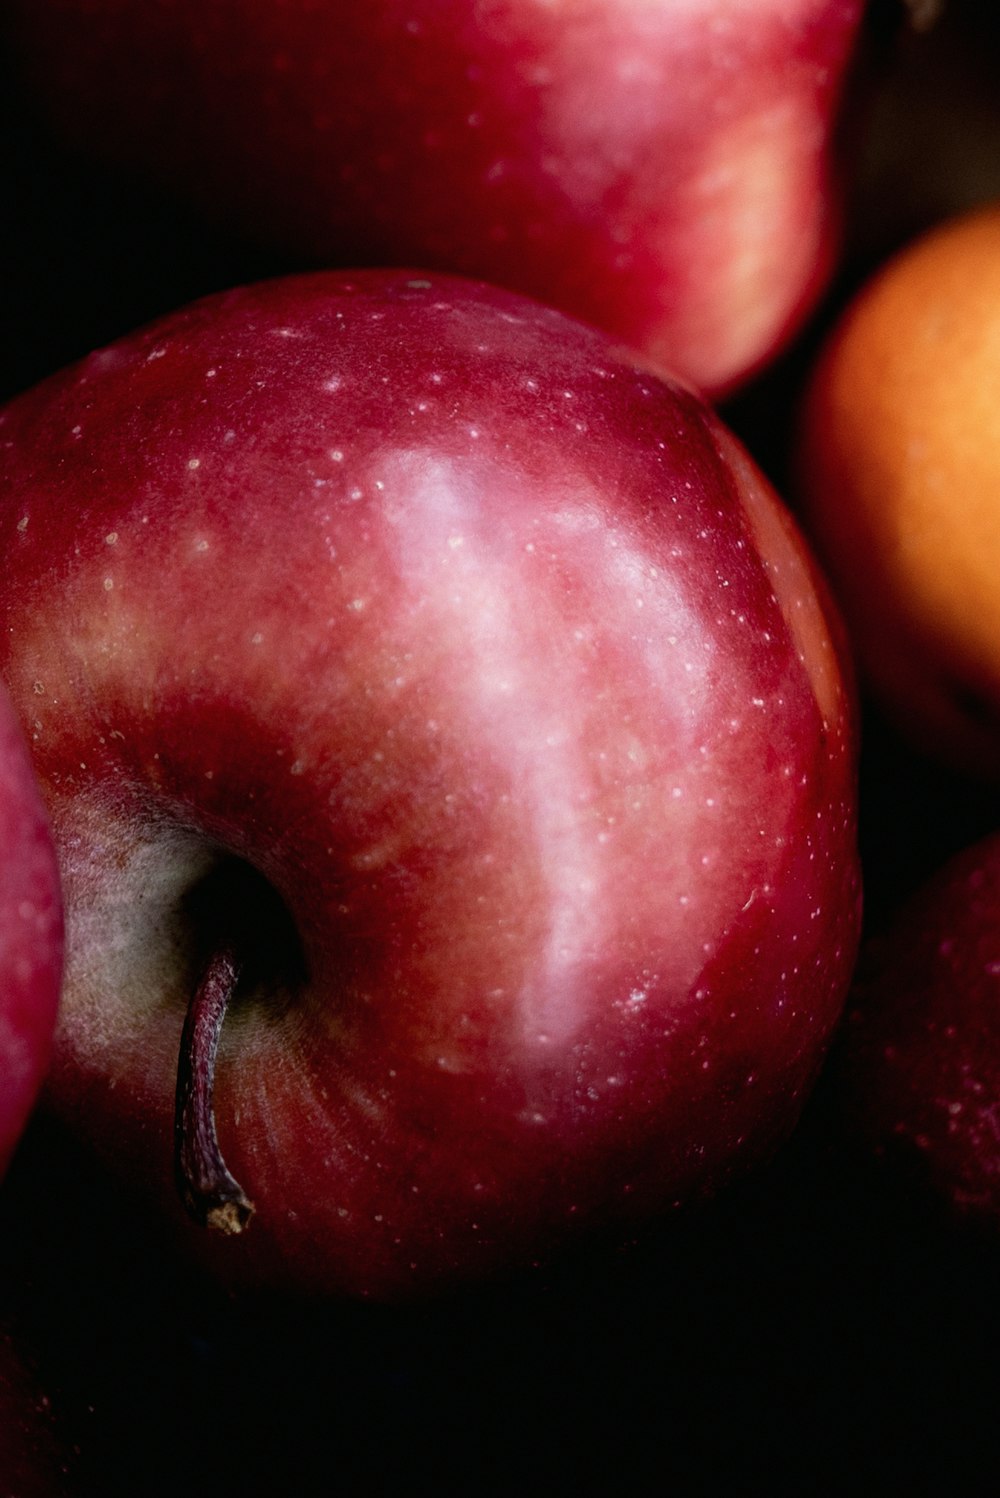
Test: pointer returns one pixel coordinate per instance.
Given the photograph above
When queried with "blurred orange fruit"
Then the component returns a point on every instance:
(899, 479)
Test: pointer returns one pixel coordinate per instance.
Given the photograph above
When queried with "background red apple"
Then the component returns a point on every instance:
(660, 169)
(918, 1073)
(473, 686)
(31, 1462)
(30, 935)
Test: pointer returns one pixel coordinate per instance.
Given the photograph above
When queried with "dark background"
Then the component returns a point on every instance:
(823, 1329)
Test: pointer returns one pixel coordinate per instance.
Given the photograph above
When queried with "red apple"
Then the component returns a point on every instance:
(918, 1074)
(661, 168)
(400, 643)
(31, 1464)
(30, 934)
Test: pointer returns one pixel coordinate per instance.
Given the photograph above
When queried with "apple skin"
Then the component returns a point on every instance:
(500, 662)
(31, 935)
(917, 1077)
(663, 170)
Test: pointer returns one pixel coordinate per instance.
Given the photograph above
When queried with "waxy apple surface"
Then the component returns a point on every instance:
(503, 669)
(661, 169)
(30, 935)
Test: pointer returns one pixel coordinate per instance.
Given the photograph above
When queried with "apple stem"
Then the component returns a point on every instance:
(211, 1194)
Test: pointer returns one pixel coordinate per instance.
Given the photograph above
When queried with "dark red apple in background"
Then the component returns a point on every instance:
(662, 169)
(918, 1070)
(30, 934)
(31, 1463)
(398, 641)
